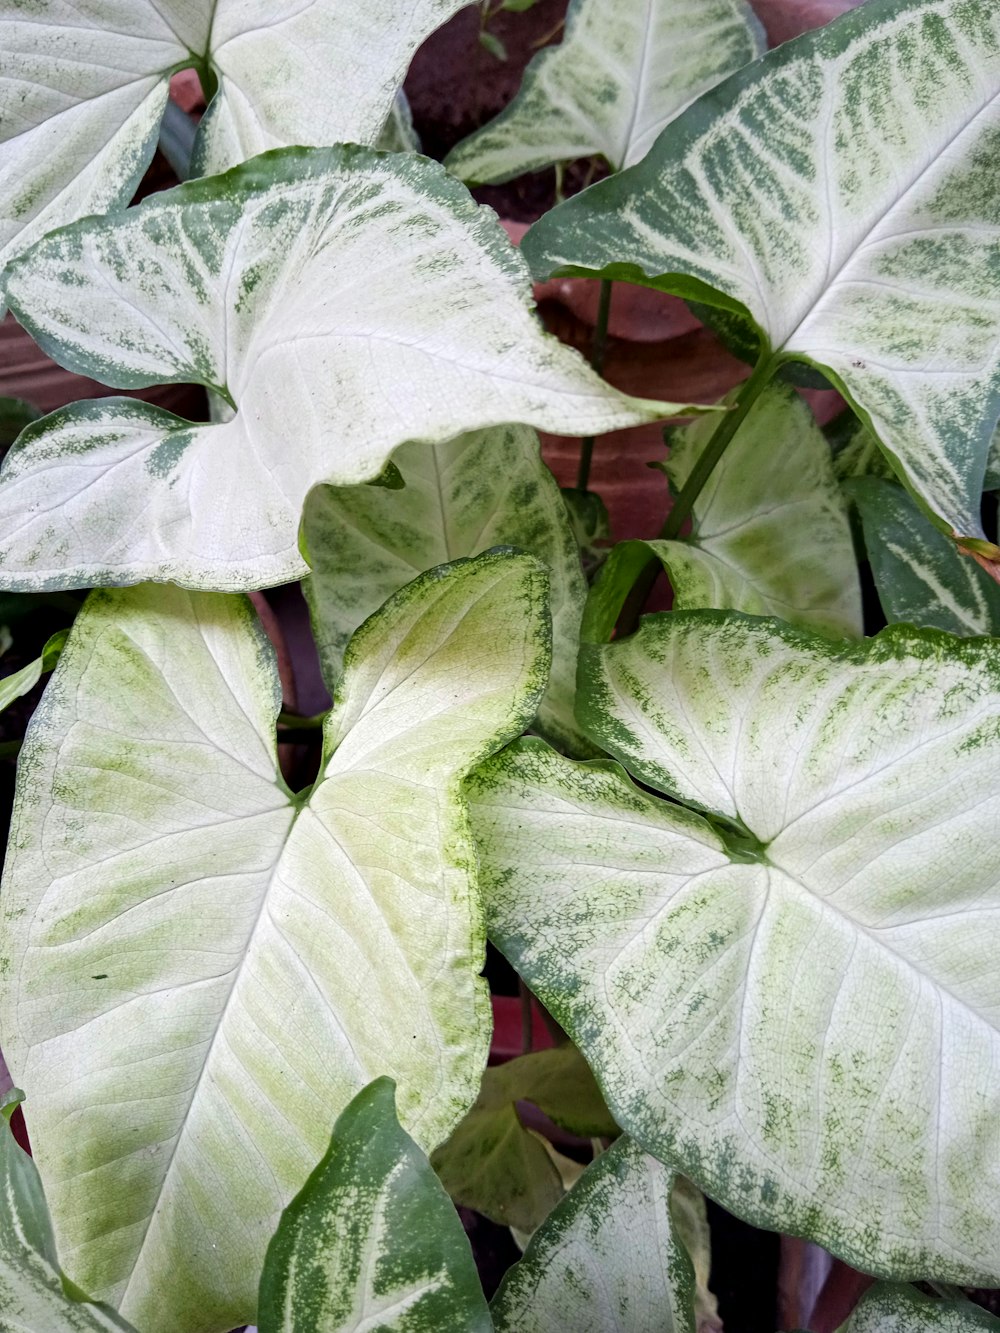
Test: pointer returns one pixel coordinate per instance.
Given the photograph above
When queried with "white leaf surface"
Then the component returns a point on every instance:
(344, 301)
(839, 197)
(794, 1000)
(608, 1259)
(462, 496)
(620, 74)
(83, 85)
(203, 968)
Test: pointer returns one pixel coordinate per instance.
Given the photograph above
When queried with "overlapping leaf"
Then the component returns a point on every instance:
(793, 994)
(83, 85)
(891, 1309)
(35, 1297)
(838, 196)
(460, 497)
(608, 1260)
(202, 968)
(496, 1165)
(343, 301)
(621, 73)
(920, 576)
(372, 1240)
(770, 531)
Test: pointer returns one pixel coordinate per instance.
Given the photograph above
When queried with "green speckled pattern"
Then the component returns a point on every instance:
(83, 85)
(842, 193)
(372, 1242)
(795, 1000)
(886, 1308)
(608, 1260)
(346, 301)
(620, 74)
(198, 969)
(461, 497)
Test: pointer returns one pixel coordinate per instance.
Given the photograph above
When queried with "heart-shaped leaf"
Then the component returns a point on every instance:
(886, 1308)
(621, 73)
(462, 496)
(609, 1258)
(921, 577)
(201, 967)
(77, 133)
(838, 199)
(344, 302)
(371, 1240)
(35, 1297)
(794, 1000)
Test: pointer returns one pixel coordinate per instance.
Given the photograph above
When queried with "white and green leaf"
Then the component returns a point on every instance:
(77, 134)
(921, 577)
(462, 496)
(608, 1260)
(770, 532)
(497, 1166)
(886, 1308)
(621, 73)
(201, 967)
(837, 197)
(342, 301)
(18, 683)
(35, 1296)
(794, 1000)
(371, 1240)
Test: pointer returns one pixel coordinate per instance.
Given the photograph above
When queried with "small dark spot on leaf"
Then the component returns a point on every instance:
(99, 976)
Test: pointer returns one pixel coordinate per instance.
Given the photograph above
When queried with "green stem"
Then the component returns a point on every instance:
(293, 722)
(717, 446)
(598, 350)
(724, 433)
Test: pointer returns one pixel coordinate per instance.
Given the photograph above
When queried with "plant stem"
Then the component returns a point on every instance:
(598, 349)
(707, 460)
(177, 134)
(293, 722)
(716, 447)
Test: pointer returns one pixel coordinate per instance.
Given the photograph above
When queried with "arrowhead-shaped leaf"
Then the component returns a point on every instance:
(34, 1295)
(770, 529)
(201, 967)
(493, 1163)
(621, 73)
(795, 999)
(371, 1241)
(344, 301)
(886, 1308)
(921, 577)
(608, 1260)
(839, 195)
(77, 133)
(462, 496)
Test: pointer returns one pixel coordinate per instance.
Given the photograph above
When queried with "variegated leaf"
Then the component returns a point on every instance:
(83, 85)
(343, 301)
(920, 576)
(621, 73)
(35, 1297)
(793, 999)
(609, 1258)
(896, 1309)
(770, 531)
(371, 1241)
(838, 198)
(202, 967)
(460, 497)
